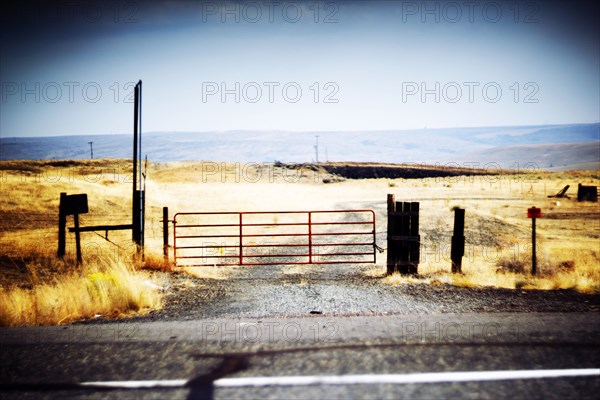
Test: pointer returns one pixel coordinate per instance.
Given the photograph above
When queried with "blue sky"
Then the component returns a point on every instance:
(352, 66)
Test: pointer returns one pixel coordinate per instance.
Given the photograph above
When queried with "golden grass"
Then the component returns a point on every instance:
(103, 286)
(154, 262)
(33, 282)
(38, 289)
(563, 268)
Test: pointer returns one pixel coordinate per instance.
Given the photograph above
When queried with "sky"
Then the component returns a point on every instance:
(69, 68)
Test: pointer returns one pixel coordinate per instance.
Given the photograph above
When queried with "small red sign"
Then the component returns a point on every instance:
(534, 212)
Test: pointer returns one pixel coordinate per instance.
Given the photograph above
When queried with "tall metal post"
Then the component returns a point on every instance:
(165, 222)
(134, 210)
(137, 211)
(142, 185)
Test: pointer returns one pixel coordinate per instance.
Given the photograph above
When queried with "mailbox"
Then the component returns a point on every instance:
(74, 204)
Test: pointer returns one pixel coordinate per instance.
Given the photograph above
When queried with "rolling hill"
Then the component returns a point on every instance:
(547, 146)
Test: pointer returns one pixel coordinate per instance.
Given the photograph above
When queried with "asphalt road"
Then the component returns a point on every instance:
(205, 358)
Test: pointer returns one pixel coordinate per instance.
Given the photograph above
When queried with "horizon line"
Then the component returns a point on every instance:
(310, 131)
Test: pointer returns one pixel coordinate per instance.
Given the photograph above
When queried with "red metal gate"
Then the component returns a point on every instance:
(274, 237)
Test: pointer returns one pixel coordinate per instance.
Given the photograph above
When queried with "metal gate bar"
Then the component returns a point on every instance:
(186, 235)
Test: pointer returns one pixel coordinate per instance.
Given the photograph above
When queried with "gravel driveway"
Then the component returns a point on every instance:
(343, 290)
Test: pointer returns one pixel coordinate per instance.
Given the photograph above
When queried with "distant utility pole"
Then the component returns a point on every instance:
(317, 149)
(91, 149)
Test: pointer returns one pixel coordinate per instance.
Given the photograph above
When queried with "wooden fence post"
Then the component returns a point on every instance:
(415, 241)
(457, 250)
(77, 239)
(62, 226)
(533, 213)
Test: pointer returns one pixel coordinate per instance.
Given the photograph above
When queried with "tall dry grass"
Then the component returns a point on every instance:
(38, 289)
(103, 286)
(559, 268)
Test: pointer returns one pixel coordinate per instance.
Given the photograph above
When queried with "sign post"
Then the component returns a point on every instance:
(533, 213)
(74, 205)
(138, 206)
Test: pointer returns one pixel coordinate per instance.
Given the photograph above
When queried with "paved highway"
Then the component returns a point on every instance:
(477, 355)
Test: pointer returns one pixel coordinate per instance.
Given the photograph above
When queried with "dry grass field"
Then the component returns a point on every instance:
(35, 288)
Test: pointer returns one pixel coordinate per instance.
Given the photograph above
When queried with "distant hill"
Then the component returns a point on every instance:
(547, 145)
(556, 156)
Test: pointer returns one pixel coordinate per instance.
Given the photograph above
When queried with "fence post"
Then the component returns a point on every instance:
(533, 213)
(391, 244)
(457, 250)
(165, 222)
(404, 245)
(77, 239)
(62, 226)
(533, 249)
(414, 243)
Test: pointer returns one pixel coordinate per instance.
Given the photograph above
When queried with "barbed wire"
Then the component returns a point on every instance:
(110, 241)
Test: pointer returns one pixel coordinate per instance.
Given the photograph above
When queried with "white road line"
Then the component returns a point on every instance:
(167, 383)
(403, 379)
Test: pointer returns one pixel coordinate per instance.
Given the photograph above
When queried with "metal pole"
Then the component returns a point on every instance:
(142, 205)
(165, 222)
(134, 210)
(138, 193)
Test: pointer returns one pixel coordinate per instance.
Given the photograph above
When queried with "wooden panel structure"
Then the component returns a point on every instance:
(587, 193)
(404, 241)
